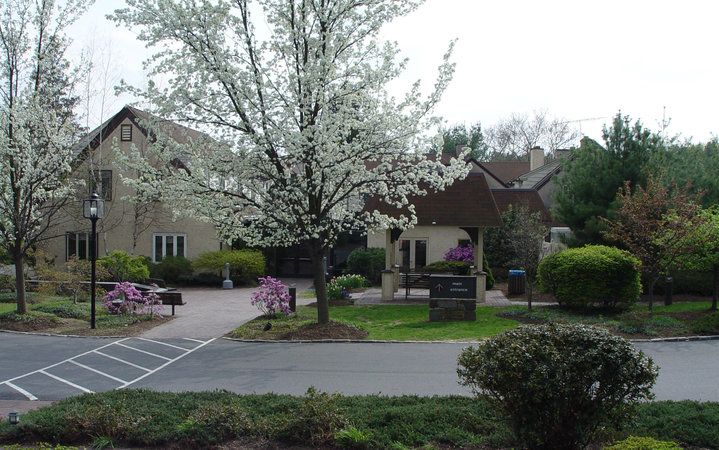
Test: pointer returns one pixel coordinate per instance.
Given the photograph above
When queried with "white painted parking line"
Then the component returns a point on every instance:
(21, 390)
(145, 352)
(167, 364)
(97, 371)
(69, 383)
(164, 343)
(194, 340)
(122, 361)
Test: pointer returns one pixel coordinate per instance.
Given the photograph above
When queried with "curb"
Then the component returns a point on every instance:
(678, 339)
(343, 341)
(38, 333)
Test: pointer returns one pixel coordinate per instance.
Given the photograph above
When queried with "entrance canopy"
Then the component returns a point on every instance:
(466, 203)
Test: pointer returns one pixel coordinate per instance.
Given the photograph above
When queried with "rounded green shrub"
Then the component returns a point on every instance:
(172, 269)
(643, 443)
(558, 385)
(125, 267)
(595, 275)
(368, 262)
(708, 324)
(245, 265)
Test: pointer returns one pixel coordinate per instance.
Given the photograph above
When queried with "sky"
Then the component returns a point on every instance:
(580, 61)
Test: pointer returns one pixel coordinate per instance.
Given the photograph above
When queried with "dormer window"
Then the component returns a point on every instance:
(126, 133)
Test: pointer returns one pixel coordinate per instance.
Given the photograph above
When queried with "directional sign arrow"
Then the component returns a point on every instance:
(439, 287)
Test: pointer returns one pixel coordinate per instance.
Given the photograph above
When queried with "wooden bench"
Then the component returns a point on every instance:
(173, 298)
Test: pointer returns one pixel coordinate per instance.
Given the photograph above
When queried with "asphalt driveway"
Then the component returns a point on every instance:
(49, 368)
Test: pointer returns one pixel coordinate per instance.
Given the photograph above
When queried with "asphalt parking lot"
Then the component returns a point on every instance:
(46, 368)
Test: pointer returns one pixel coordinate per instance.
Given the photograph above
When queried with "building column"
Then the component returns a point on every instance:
(388, 274)
(479, 266)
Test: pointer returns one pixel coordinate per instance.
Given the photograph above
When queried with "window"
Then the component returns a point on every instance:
(101, 182)
(125, 133)
(78, 245)
(168, 244)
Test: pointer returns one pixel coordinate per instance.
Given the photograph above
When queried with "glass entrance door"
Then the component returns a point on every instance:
(412, 254)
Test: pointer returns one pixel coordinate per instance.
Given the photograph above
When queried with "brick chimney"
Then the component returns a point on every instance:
(536, 158)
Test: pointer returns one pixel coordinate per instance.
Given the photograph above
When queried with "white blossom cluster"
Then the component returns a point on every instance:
(300, 127)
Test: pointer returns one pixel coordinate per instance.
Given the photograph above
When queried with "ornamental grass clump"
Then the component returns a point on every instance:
(559, 386)
(271, 297)
(126, 299)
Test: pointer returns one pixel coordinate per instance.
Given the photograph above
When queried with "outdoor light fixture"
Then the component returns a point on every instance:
(13, 418)
(94, 209)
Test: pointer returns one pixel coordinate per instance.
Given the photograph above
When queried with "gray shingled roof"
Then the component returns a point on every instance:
(538, 177)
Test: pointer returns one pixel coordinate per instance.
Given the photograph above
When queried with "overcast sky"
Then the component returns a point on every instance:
(578, 60)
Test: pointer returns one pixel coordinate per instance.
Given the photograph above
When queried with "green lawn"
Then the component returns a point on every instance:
(410, 322)
(385, 322)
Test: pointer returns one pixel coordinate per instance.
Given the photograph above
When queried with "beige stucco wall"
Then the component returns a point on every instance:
(122, 220)
(439, 240)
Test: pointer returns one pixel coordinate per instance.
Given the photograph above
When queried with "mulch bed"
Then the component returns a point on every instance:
(332, 330)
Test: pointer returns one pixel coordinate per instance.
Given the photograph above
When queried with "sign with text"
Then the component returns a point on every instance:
(452, 286)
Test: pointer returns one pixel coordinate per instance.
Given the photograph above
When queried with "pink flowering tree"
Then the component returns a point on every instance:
(463, 253)
(126, 299)
(271, 297)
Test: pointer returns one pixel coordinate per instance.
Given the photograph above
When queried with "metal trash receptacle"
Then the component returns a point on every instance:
(517, 282)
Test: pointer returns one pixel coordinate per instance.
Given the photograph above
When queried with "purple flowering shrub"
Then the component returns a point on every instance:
(464, 253)
(126, 299)
(271, 297)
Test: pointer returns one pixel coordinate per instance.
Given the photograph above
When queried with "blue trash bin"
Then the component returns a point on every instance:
(517, 282)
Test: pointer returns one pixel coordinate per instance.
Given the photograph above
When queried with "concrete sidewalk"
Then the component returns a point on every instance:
(213, 313)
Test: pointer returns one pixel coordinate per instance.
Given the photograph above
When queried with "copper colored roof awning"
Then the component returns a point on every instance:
(466, 203)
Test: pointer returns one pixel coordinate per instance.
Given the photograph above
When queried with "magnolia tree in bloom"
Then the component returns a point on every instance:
(294, 94)
(36, 123)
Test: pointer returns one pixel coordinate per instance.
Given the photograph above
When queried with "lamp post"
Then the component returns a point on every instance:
(94, 209)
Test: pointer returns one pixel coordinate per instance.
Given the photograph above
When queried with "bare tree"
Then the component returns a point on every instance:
(525, 245)
(514, 136)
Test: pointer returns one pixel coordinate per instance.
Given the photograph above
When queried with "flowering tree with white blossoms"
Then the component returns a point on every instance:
(37, 126)
(294, 94)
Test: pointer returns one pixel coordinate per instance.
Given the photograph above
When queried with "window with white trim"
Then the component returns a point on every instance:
(168, 244)
(78, 245)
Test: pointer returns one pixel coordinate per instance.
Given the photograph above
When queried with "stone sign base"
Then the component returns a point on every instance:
(452, 309)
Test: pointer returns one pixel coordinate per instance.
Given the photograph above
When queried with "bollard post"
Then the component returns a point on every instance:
(293, 298)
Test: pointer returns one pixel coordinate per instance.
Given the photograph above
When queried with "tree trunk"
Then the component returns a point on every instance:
(652, 284)
(715, 295)
(20, 282)
(529, 295)
(318, 272)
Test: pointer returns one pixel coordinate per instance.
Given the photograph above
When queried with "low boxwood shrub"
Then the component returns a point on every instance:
(368, 262)
(316, 420)
(643, 443)
(245, 265)
(215, 423)
(172, 269)
(65, 309)
(33, 320)
(708, 324)
(125, 267)
(594, 275)
(558, 385)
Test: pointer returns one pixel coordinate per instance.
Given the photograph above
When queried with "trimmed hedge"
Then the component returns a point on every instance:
(245, 265)
(595, 275)
(172, 269)
(163, 419)
(368, 262)
(123, 266)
